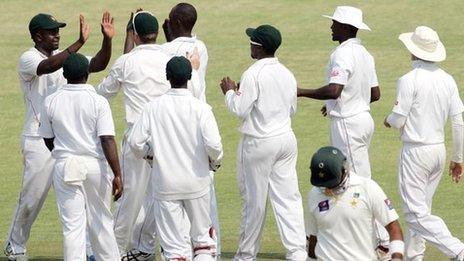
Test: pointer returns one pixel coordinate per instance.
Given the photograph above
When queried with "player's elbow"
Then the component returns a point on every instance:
(375, 94)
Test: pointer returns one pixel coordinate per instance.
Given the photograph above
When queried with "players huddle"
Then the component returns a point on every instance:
(162, 182)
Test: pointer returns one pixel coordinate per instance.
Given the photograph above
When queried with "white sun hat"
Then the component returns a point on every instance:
(349, 15)
(425, 44)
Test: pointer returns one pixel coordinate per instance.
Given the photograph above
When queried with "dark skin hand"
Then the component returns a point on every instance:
(46, 41)
(129, 41)
(111, 154)
(228, 84)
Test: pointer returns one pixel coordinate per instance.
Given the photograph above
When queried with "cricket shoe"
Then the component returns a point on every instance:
(137, 255)
(12, 255)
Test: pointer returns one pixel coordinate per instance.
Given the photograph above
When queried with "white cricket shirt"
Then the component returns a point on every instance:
(180, 46)
(427, 96)
(35, 88)
(141, 74)
(183, 134)
(265, 100)
(343, 225)
(351, 65)
(76, 116)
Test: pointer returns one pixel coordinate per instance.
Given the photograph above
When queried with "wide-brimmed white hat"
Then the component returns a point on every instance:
(349, 15)
(425, 44)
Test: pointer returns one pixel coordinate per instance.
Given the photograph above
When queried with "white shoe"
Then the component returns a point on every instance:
(137, 255)
(12, 255)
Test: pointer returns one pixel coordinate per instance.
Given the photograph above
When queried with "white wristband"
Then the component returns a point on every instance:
(396, 246)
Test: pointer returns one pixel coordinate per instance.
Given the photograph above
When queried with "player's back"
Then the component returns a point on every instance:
(76, 112)
(143, 77)
(276, 99)
(434, 97)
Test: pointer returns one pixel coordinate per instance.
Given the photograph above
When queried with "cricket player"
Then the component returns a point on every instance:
(265, 101)
(181, 42)
(182, 133)
(342, 208)
(426, 97)
(40, 74)
(351, 86)
(78, 129)
(141, 74)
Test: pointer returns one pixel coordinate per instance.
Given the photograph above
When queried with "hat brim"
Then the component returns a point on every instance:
(250, 32)
(437, 56)
(361, 25)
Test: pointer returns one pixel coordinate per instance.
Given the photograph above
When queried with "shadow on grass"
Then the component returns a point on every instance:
(261, 256)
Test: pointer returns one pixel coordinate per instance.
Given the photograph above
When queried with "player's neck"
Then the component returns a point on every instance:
(46, 52)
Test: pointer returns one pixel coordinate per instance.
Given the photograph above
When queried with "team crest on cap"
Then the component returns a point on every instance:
(321, 174)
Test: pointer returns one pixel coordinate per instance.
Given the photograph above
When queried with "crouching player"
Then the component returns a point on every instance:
(78, 129)
(183, 135)
(342, 209)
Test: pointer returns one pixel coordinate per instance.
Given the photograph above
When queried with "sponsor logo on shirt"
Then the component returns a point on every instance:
(355, 195)
(323, 205)
(388, 203)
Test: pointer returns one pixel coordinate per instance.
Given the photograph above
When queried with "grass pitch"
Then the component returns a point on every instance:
(221, 24)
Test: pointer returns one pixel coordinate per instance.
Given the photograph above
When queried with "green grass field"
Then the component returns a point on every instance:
(305, 50)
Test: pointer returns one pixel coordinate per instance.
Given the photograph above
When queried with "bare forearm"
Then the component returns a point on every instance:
(102, 58)
(375, 94)
(328, 92)
(129, 42)
(312, 241)
(55, 62)
(395, 233)
(111, 153)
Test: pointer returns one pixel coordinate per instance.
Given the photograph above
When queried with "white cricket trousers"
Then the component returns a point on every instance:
(144, 235)
(420, 170)
(179, 238)
(37, 179)
(87, 205)
(353, 136)
(135, 177)
(266, 167)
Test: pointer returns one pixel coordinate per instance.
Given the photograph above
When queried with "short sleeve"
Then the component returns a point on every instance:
(404, 97)
(45, 126)
(105, 124)
(382, 207)
(456, 105)
(373, 81)
(340, 69)
(111, 84)
(28, 64)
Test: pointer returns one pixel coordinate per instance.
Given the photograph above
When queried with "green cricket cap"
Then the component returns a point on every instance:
(75, 66)
(145, 23)
(266, 35)
(327, 166)
(179, 69)
(44, 21)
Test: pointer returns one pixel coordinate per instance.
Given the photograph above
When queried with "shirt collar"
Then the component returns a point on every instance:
(147, 47)
(186, 39)
(78, 87)
(270, 60)
(423, 64)
(179, 91)
(350, 41)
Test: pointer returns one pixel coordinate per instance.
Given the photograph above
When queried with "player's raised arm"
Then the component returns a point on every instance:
(102, 58)
(55, 62)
